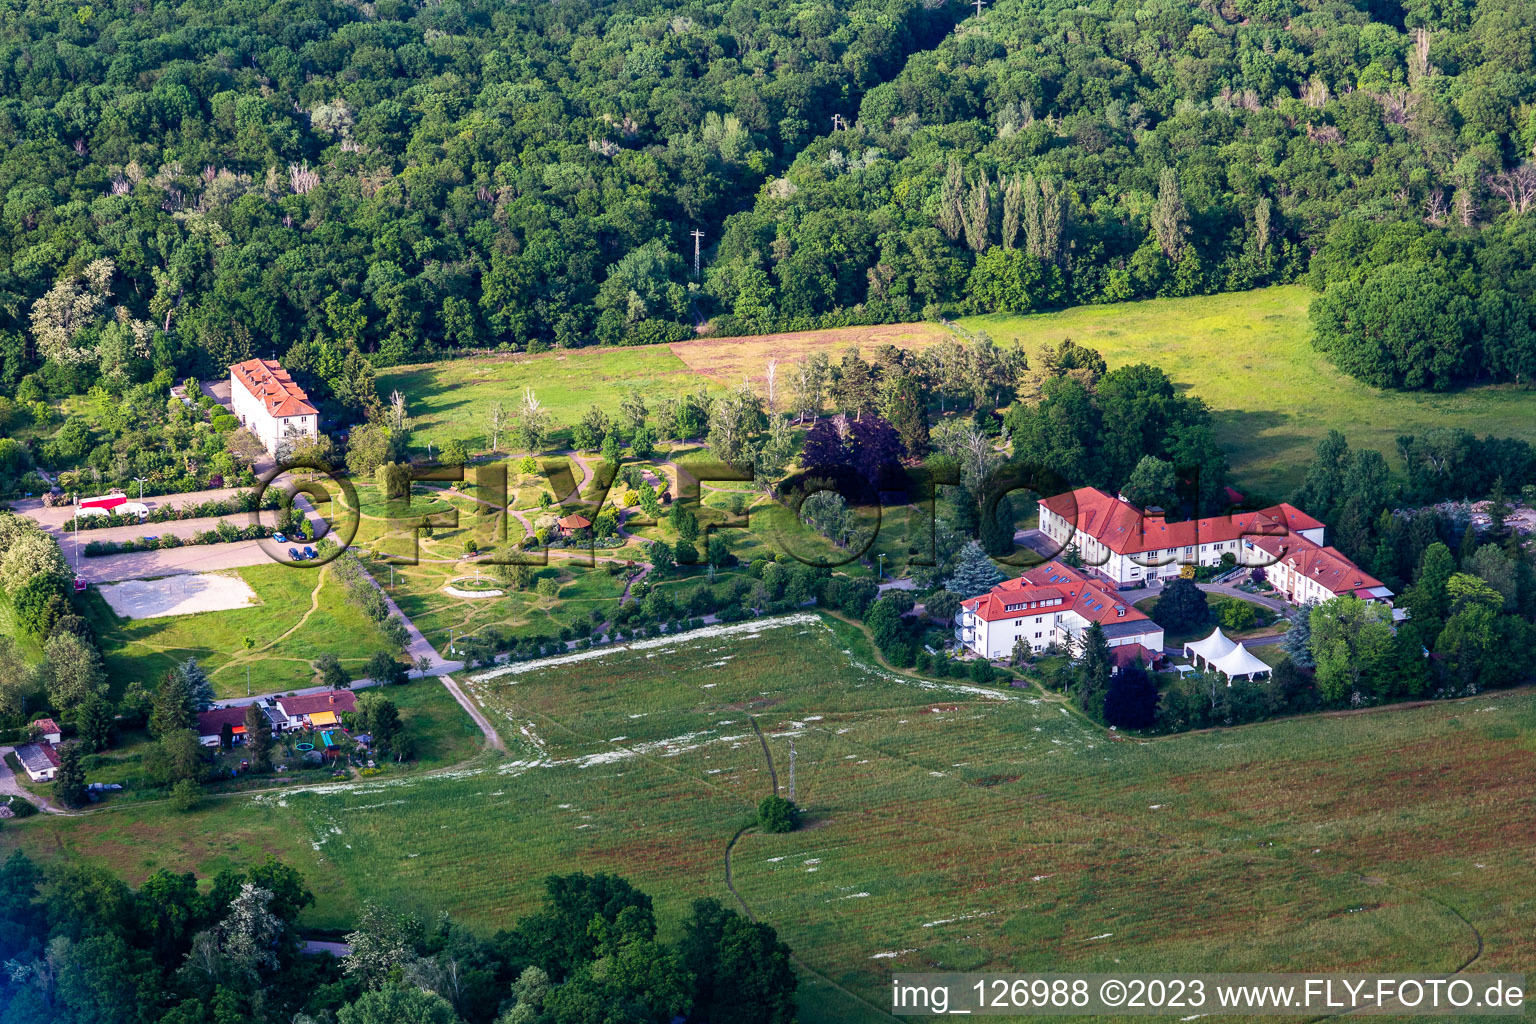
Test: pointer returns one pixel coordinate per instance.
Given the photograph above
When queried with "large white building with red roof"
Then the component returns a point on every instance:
(1051, 604)
(1130, 547)
(269, 404)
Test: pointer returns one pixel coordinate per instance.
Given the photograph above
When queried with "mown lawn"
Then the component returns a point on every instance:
(947, 828)
(301, 614)
(1249, 355)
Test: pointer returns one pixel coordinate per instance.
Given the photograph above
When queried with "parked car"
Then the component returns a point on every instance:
(293, 554)
(280, 538)
(310, 553)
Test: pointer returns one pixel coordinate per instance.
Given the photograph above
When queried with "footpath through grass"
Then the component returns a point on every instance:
(948, 827)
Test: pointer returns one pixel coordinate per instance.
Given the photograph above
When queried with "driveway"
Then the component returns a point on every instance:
(10, 787)
(1272, 603)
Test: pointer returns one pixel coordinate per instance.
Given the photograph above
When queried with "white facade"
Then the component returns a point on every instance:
(270, 405)
(1041, 628)
(1133, 568)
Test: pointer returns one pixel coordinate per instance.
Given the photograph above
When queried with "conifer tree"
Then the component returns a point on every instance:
(975, 574)
(258, 739)
(173, 707)
(1093, 671)
(69, 783)
(1297, 643)
(199, 688)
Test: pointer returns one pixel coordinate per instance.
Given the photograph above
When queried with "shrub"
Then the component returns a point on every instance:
(19, 808)
(776, 814)
(1236, 615)
(185, 796)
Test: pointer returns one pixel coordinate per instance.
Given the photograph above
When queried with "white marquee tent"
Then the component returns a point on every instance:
(1231, 659)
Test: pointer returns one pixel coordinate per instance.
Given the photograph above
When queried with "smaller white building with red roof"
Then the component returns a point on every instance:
(267, 402)
(1051, 604)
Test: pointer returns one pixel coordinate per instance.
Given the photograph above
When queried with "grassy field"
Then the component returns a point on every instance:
(948, 828)
(300, 615)
(451, 400)
(1249, 355)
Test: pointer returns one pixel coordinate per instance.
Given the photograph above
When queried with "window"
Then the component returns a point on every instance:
(1037, 636)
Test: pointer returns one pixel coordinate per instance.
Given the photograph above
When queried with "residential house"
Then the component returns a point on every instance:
(316, 709)
(48, 731)
(267, 402)
(1051, 604)
(210, 725)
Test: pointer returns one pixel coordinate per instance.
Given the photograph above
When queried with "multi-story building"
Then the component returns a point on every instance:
(1128, 546)
(1051, 604)
(270, 405)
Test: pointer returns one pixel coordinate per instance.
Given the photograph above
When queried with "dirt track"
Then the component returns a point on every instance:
(727, 360)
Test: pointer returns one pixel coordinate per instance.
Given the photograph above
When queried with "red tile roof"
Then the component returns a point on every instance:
(575, 521)
(47, 725)
(1052, 587)
(1126, 530)
(1327, 566)
(334, 700)
(270, 384)
(211, 723)
(1125, 654)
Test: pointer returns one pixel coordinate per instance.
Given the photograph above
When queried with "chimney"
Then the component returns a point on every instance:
(1153, 515)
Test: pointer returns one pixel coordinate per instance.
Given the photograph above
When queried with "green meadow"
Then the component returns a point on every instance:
(453, 399)
(948, 827)
(1249, 355)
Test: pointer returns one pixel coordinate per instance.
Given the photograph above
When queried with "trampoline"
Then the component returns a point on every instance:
(306, 747)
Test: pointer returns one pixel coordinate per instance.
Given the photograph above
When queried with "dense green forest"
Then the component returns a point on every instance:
(188, 184)
(78, 945)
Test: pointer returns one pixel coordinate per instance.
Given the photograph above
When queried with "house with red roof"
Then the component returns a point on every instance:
(39, 760)
(1129, 546)
(317, 709)
(269, 404)
(48, 731)
(1051, 604)
(210, 725)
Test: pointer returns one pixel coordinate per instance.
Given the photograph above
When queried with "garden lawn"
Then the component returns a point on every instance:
(1249, 355)
(947, 827)
(301, 614)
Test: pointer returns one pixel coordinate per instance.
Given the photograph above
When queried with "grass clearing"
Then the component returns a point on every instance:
(989, 833)
(1249, 355)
